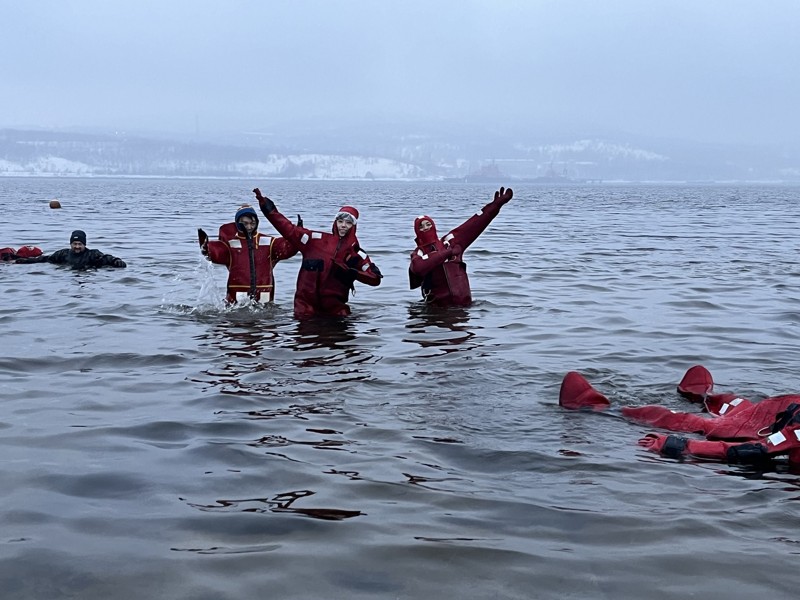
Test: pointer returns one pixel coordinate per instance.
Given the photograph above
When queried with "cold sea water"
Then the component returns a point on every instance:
(156, 444)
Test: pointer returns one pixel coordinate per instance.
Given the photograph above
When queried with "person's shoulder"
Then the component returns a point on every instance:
(59, 255)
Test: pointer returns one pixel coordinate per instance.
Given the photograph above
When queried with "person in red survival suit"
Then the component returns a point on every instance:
(331, 261)
(436, 264)
(737, 430)
(249, 256)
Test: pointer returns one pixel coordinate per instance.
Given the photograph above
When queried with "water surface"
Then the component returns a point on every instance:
(158, 445)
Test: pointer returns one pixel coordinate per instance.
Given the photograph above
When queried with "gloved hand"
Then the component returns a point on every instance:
(375, 270)
(267, 205)
(299, 221)
(352, 261)
(652, 441)
(202, 239)
(119, 263)
(503, 195)
(671, 446)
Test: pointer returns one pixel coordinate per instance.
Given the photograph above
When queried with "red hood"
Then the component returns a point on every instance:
(425, 238)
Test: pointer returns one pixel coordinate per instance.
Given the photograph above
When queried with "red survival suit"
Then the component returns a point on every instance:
(754, 432)
(9, 254)
(436, 265)
(330, 263)
(249, 258)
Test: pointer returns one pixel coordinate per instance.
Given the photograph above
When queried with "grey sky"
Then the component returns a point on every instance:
(716, 70)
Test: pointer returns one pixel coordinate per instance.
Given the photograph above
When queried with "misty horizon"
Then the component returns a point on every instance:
(716, 71)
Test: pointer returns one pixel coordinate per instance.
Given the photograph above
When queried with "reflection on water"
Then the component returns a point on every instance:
(323, 333)
(279, 503)
(438, 327)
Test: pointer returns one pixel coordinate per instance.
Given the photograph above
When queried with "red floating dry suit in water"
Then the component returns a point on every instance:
(753, 431)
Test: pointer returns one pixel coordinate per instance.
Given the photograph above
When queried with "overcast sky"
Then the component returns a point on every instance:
(712, 70)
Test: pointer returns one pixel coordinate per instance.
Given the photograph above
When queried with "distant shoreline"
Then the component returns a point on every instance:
(446, 181)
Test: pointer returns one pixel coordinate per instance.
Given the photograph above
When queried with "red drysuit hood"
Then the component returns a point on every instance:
(425, 238)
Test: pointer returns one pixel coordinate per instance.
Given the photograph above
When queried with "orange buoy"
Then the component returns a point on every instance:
(55, 204)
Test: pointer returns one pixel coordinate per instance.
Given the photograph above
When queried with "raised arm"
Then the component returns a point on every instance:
(469, 230)
(282, 249)
(295, 234)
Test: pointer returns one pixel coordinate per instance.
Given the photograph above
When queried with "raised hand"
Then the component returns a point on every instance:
(503, 195)
(267, 205)
(202, 239)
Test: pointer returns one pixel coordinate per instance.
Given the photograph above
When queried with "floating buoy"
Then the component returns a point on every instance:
(55, 204)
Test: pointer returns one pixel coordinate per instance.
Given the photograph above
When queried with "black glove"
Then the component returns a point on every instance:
(374, 268)
(299, 221)
(352, 262)
(267, 205)
(202, 239)
(503, 195)
(118, 262)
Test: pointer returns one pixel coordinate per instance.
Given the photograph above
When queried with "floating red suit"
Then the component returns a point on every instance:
(332, 262)
(249, 256)
(436, 265)
(753, 432)
(9, 254)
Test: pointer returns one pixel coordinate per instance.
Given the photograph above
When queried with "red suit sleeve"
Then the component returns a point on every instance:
(219, 253)
(293, 233)
(362, 268)
(674, 446)
(282, 249)
(423, 263)
(658, 416)
(469, 230)
(784, 442)
(709, 450)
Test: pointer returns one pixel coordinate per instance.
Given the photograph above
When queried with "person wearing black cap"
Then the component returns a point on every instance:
(249, 256)
(77, 256)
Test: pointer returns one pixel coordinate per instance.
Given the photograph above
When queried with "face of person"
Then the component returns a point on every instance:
(248, 223)
(425, 225)
(77, 247)
(343, 226)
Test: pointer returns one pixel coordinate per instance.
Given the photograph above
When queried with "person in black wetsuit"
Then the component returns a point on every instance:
(77, 256)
